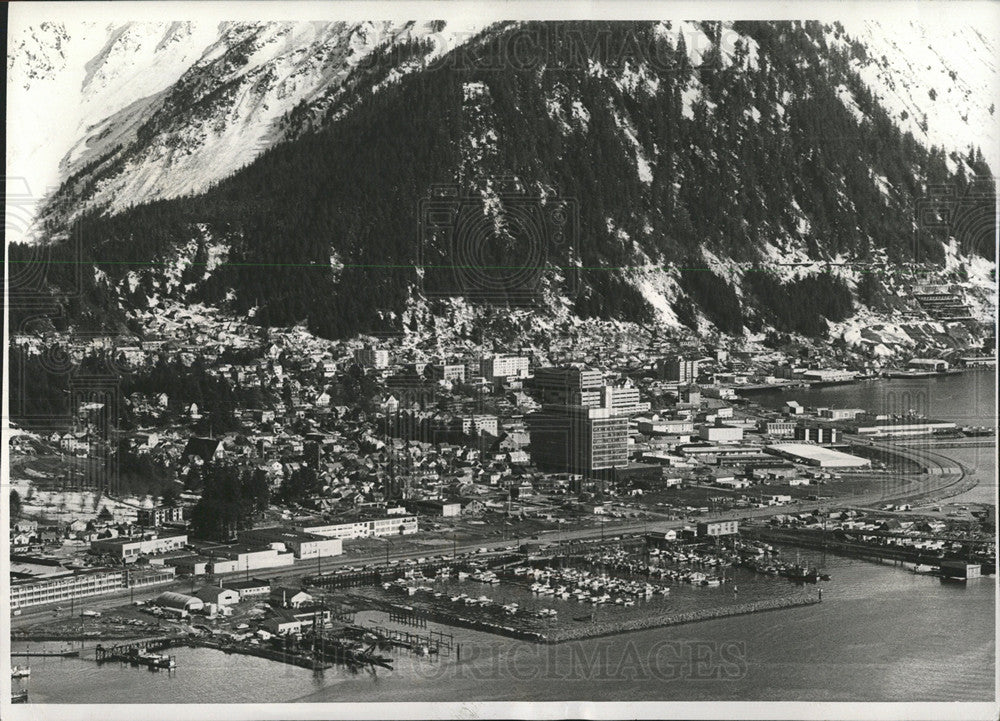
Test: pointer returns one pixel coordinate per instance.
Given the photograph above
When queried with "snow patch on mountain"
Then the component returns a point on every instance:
(937, 79)
(660, 289)
(139, 111)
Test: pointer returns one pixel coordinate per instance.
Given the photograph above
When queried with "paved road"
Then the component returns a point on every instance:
(948, 475)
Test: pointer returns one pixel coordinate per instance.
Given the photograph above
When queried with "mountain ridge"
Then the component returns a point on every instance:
(750, 156)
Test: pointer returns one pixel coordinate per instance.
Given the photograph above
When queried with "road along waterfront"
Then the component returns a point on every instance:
(890, 635)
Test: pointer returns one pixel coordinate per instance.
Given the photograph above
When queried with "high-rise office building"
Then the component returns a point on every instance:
(568, 386)
(578, 439)
(583, 424)
(679, 370)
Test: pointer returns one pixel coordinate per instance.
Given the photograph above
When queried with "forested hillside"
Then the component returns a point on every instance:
(740, 153)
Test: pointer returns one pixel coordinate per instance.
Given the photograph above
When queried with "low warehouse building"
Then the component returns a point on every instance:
(219, 596)
(818, 456)
(178, 603)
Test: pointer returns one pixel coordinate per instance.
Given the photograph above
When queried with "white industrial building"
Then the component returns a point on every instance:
(817, 455)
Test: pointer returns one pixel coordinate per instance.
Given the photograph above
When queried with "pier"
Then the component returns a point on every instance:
(122, 651)
(408, 618)
(434, 641)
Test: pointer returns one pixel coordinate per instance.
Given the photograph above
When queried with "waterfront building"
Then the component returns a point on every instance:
(365, 527)
(718, 528)
(935, 365)
(961, 569)
(283, 623)
(903, 428)
(820, 376)
(65, 588)
(178, 604)
(817, 456)
(841, 414)
(303, 544)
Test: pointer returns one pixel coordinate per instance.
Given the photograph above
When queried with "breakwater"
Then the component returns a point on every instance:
(603, 627)
(611, 627)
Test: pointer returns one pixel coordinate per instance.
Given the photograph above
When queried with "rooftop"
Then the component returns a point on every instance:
(820, 454)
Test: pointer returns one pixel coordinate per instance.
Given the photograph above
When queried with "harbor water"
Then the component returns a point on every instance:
(967, 399)
(882, 632)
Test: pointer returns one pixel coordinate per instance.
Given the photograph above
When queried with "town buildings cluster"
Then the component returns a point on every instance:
(397, 435)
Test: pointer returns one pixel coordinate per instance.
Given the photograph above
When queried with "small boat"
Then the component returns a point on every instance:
(20, 672)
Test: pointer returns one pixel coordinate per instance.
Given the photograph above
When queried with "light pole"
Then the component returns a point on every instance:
(387, 547)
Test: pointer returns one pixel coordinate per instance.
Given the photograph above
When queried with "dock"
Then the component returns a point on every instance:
(436, 642)
(45, 654)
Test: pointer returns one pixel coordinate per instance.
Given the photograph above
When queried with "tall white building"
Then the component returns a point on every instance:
(500, 366)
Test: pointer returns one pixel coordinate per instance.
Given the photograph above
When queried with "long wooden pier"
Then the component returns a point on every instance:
(121, 650)
(433, 641)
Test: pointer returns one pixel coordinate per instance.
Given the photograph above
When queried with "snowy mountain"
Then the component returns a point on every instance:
(740, 177)
(140, 111)
(126, 113)
(939, 80)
